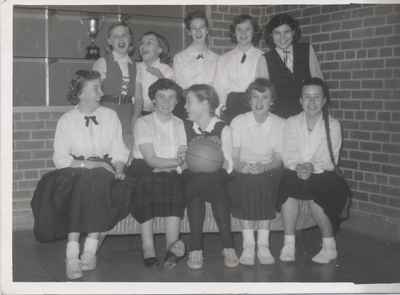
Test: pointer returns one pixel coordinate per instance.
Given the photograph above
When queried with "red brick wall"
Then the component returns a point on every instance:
(359, 50)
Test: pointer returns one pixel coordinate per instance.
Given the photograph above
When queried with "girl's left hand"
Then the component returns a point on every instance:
(156, 72)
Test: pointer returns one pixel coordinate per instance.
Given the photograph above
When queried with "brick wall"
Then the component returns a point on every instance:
(359, 50)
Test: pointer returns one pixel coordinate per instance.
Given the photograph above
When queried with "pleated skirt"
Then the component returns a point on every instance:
(78, 200)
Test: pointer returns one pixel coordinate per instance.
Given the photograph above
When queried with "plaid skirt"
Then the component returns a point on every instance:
(326, 189)
(78, 200)
(254, 195)
(157, 194)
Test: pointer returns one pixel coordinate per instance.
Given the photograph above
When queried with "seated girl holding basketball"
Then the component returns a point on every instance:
(209, 161)
(82, 195)
(158, 151)
(311, 146)
(257, 137)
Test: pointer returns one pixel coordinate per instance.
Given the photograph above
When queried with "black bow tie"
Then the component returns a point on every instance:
(93, 118)
(243, 58)
(200, 56)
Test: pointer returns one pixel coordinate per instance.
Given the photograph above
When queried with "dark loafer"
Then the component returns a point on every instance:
(171, 258)
(151, 261)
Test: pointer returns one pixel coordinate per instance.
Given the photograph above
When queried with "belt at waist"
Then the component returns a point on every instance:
(120, 99)
(106, 159)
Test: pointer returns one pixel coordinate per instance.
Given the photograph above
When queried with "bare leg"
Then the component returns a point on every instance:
(88, 257)
(322, 220)
(147, 239)
(172, 230)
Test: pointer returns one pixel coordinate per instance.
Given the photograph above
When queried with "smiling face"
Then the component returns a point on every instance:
(312, 100)
(195, 107)
(244, 33)
(282, 36)
(119, 39)
(165, 101)
(149, 48)
(260, 102)
(91, 91)
(198, 30)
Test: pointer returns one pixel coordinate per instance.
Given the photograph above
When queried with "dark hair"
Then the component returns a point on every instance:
(78, 82)
(193, 15)
(315, 81)
(205, 92)
(164, 84)
(278, 20)
(261, 85)
(163, 43)
(241, 19)
(120, 24)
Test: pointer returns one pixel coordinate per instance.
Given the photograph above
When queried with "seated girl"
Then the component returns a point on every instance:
(158, 153)
(257, 143)
(82, 196)
(311, 146)
(201, 102)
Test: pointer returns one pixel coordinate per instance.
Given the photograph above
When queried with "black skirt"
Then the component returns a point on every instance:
(156, 194)
(326, 189)
(207, 186)
(254, 196)
(78, 200)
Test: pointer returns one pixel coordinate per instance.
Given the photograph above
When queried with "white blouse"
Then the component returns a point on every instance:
(235, 75)
(301, 145)
(145, 78)
(166, 137)
(194, 67)
(257, 141)
(226, 140)
(73, 137)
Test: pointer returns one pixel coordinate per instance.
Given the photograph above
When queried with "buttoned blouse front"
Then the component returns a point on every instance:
(145, 78)
(73, 137)
(301, 145)
(165, 137)
(195, 67)
(233, 75)
(257, 141)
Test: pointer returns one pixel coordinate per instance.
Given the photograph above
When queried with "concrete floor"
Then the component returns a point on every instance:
(361, 260)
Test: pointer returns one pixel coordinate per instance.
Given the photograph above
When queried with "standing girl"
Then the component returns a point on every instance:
(201, 102)
(118, 74)
(153, 65)
(289, 63)
(311, 146)
(196, 64)
(158, 153)
(257, 143)
(82, 196)
(238, 67)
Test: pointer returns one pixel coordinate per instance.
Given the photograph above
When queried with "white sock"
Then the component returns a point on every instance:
(90, 245)
(248, 237)
(329, 243)
(72, 250)
(263, 237)
(289, 240)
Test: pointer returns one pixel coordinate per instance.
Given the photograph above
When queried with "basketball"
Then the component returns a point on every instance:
(204, 155)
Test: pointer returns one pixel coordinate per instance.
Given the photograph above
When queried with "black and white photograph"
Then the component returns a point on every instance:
(174, 147)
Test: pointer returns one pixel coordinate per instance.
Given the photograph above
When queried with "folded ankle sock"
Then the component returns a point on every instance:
(263, 237)
(90, 245)
(248, 237)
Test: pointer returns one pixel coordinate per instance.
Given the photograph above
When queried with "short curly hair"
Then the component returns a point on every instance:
(78, 82)
(204, 92)
(193, 15)
(261, 85)
(165, 84)
(241, 19)
(164, 45)
(279, 20)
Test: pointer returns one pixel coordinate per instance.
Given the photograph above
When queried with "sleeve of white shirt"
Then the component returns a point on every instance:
(143, 133)
(226, 139)
(139, 74)
(182, 140)
(178, 72)
(262, 68)
(236, 134)
(119, 152)
(290, 152)
(61, 156)
(100, 66)
(315, 69)
(221, 80)
(168, 72)
(336, 137)
(279, 133)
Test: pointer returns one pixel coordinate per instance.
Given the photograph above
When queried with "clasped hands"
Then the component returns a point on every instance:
(118, 172)
(304, 170)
